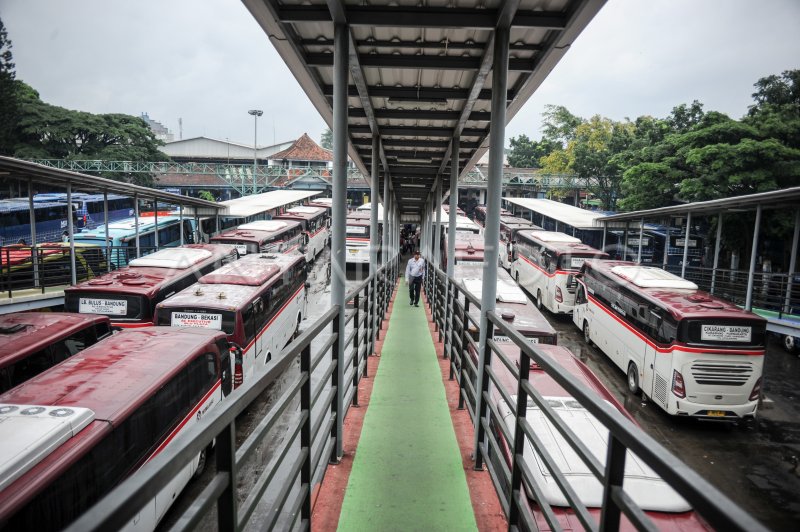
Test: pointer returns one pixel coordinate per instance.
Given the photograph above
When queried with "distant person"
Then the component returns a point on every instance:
(415, 269)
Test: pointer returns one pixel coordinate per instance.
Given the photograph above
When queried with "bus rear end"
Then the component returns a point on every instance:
(357, 241)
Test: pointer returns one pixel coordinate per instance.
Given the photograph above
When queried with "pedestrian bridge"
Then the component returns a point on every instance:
(380, 434)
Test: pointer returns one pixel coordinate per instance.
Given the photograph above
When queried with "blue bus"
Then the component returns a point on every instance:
(90, 208)
(653, 244)
(122, 236)
(15, 221)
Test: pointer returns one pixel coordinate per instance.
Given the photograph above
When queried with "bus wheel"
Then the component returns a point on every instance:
(633, 379)
(587, 337)
(268, 358)
(789, 343)
(297, 327)
(539, 304)
(201, 464)
(517, 275)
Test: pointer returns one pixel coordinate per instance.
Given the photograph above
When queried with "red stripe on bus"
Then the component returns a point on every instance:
(125, 325)
(673, 347)
(558, 272)
(348, 239)
(264, 329)
(185, 420)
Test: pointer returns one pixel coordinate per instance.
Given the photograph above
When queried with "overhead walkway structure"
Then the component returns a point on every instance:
(415, 94)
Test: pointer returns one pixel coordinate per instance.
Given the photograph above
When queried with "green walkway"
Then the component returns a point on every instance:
(407, 473)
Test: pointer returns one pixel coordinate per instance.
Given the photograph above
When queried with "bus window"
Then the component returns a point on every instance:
(249, 321)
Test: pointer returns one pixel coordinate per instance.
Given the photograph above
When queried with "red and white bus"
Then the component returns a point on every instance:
(357, 237)
(667, 509)
(315, 222)
(546, 263)
(469, 247)
(480, 214)
(129, 295)
(263, 236)
(509, 227)
(258, 301)
(511, 303)
(36, 341)
(691, 353)
(74, 432)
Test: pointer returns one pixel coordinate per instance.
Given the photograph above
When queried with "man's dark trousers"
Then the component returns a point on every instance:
(414, 288)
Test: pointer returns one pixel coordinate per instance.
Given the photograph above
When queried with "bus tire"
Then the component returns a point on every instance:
(587, 335)
(517, 276)
(268, 358)
(633, 379)
(789, 343)
(539, 303)
(201, 464)
(297, 327)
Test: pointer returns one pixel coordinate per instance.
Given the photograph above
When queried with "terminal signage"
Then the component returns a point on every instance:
(109, 307)
(197, 319)
(725, 333)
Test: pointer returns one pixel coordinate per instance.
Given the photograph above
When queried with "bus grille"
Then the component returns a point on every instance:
(660, 391)
(724, 374)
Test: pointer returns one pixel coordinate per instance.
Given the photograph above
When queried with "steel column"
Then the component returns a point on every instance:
(385, 239)
(373, 241)
(641, 236)
(136, 224)
(792, 261)
(34, 252)
(605, 233)
(494, 189)
(155, 220)
(437, 243)
(665, 260)
(109, 251)
(180, 216)
(748, 305)
(717, 245)
(339, 206)
(625, 241)
(451, 225)
(686, 244)
(71, 234)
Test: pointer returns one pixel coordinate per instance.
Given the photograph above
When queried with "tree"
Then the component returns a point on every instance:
(526, 153)
(559, 125)
(327, 139)
(206, 195)
(9, 108)
(47, 131)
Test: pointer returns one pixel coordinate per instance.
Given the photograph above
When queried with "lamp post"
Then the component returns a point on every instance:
(256, 113)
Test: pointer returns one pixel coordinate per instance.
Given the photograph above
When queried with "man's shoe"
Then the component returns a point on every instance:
(411, 302)
(416, 304)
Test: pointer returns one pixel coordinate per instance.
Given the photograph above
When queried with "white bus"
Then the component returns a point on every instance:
(691, 353)
(315, 222)
(74, 432)
(546, 263)
(509, 227)
(258, 301)
(357, 238)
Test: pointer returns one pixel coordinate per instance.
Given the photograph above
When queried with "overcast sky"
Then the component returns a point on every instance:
(208, 62)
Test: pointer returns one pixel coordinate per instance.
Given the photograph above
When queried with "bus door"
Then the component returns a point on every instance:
(656, 373)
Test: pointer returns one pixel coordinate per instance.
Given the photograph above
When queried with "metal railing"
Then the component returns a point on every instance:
(297, 449)
(775, 292)
(48, 265)
(501, 448)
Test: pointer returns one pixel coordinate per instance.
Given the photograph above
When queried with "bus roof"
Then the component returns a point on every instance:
(683, 300)
(559, 242)
(233, 285)
(110, 378)
(178, 258)
(303, 212)
(147, 279)
(126, 227)
(516, 220)
(257, 231)
(357, 221)
(23, 333)
(14, 205)
(367, 207)
(512, 303)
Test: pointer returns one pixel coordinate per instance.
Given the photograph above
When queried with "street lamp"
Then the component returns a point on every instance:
(256, 113)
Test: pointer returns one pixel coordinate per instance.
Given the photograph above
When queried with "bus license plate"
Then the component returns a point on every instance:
(353, 251)
(716, 413)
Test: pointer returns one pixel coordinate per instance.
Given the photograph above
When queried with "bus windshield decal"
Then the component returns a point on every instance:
(110, 307)
(576, 262)
(726, 333)
(356, 229)
(197, 319)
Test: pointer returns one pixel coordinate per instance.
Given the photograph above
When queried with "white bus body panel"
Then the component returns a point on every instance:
(316, 243)
(534, 279)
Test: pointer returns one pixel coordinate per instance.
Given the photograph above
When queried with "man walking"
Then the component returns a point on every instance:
(415, 269)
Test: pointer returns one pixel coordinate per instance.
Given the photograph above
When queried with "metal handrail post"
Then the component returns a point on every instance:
(464, 341)
(305, 432)
(519, 440)
(225, 451)
(336, 405)
(356, 361)
(614, 477)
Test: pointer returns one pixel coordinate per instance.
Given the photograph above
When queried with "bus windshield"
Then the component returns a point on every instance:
(572, 262)
(358, 231)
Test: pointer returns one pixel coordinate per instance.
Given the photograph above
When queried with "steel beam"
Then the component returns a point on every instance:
(717, 245)
(686, 244)
(373, 214)
(385, 239)
(34, 252)
(748, 304)
(71, 234)
(451, 225)
(416, 131)
(792, 261)
(418, 94)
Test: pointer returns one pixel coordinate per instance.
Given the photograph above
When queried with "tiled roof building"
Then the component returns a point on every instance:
(303, 152)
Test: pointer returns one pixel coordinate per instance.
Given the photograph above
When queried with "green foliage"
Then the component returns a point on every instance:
(47, 131)
(327, 139)
(559, 125)
(206, 195)
(526, 153)
(9, 109)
